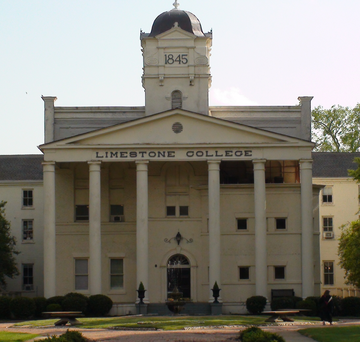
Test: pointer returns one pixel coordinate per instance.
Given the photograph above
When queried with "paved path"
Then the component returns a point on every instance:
(288, 331)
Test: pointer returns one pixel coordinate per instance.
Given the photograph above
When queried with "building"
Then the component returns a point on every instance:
(177, 193)
(21, 187)
(339, 204)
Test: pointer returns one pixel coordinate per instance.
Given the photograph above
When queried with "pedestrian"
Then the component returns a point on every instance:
(326, 307)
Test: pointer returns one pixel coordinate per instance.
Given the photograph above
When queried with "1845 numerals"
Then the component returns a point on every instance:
(171, 59)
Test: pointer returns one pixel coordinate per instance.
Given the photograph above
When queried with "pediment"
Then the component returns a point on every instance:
(176, 33)
(177, 128)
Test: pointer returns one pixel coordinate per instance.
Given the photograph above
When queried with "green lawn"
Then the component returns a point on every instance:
(165, 322)
(333, 334)
(15, 337)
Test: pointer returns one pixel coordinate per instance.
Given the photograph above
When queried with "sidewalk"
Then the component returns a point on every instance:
(288, 331)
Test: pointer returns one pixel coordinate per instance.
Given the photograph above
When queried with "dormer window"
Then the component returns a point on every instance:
(176, 99)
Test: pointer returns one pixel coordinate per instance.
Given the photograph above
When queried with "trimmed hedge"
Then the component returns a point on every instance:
(350, 306)
(75, 302)
(53, 307)
(40, 304)
(307, 304)
(255, 334)
(55, 300)
(282, 303)
(5, 307)
(255, 304)
(99, 305)
(22, 307)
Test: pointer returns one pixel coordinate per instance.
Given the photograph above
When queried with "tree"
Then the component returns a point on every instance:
(349, 252)
(336, 129)
(8, 251)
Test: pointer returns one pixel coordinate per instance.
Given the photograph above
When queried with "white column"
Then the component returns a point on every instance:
(260, 228)
(142, 234)
(307, 235)
(95, 227)
(214, 225)
(49, 230)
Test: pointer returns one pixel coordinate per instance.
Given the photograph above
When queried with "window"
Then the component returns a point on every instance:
(279, 272)
(176, 99)
(327, 224)
(116, 274)
(81, 274)
(328, 273)
(28, 277)
(280, 223)
(81, 212)
(170, 211)
(244, 273)
(27, 229)
(27, 200)
(184, 210)
(241, 224)
(117, 213)
(327, 195)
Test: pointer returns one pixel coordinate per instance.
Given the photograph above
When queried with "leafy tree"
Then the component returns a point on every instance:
(349, 252)
(336, 129)
(8, 266)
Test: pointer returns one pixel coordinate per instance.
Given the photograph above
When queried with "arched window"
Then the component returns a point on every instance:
(176, 99)
(178, 275)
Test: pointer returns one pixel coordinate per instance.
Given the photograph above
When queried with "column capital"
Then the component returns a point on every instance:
(214, 165)
(94, 162)
(306, 164)
(259, 164)
(48, 166)
(139, 162)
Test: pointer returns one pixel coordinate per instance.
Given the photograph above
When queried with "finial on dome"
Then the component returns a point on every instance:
(176, 4)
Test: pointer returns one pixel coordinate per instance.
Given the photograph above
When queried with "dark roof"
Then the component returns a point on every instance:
(333, 164)
(186, 20)
(21, 167)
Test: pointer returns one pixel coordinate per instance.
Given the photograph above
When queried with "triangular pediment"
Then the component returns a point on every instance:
(177, 128)
(176, 33)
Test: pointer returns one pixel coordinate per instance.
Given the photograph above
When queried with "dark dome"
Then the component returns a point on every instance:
(186, 20)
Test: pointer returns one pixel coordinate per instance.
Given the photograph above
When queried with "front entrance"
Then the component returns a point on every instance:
(178, 275)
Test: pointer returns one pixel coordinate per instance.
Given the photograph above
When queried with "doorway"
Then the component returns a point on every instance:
(178, 275)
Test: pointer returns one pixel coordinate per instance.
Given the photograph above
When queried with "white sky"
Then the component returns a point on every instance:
(87, 53)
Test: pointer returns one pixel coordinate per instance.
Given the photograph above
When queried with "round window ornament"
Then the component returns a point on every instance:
(177, 127)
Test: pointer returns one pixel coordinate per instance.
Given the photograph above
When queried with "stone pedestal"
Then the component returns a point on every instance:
(216, 309)
(141, 309)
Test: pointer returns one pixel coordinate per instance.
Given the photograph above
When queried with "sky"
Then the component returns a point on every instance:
(87, 53)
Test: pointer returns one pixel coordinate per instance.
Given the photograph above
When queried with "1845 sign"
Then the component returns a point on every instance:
(176, 59)
(171, 154)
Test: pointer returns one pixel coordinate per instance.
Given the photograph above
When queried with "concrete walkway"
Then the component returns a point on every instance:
(227, 334)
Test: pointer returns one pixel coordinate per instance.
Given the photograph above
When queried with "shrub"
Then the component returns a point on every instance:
(22, 307)
(4, 307)
(337, 305)
(282, 303)
(69, 336)
(350, 306)
(255, 334)
(55, 300)
(99, 305)
(53, 307)
(40, 304)
(255, 304)
(75, 302)
(317, 302)
(308, 304)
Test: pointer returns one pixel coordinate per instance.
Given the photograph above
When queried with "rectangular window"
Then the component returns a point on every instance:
(117, 213)
(27, 226)
(244, 273)
(184, 210)
(116, 274)
(28, 277)
(170, 211)
(81, 274)
(327, 195)
(241, 224)
(327, 224)
(281, 223)
(27, 199)
(82, 213)
(279, 272)
(328, 273)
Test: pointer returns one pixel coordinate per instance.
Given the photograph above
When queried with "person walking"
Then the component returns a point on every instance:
(326, 307)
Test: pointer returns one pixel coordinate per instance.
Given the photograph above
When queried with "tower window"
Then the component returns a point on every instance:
(176, 99)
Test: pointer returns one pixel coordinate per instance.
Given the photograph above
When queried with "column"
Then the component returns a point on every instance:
(49, 117)
(95, 227)
(214, 225)
(142, 234)
(49, 230)
(307, 235)
(260, 228)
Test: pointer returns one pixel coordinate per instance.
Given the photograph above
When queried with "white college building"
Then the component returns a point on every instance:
(177, 193)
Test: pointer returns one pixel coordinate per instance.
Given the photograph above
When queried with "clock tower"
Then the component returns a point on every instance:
(176, 68)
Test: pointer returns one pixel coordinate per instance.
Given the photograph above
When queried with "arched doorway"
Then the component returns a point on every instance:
(178, 274)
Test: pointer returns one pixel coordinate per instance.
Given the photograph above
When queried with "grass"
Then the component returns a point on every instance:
(333, 334)
(164, 322)
(15, 337)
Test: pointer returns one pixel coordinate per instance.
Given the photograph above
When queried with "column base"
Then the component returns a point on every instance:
(141, 309)
(216, 309)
